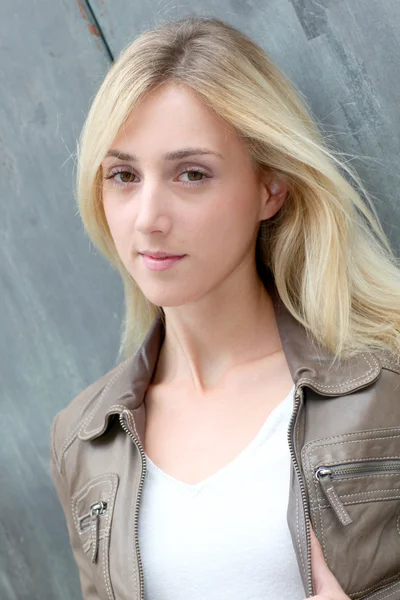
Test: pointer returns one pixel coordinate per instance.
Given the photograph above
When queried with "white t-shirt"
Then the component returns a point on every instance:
(225, 538)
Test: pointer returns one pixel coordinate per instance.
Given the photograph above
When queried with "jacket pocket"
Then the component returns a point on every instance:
(353, 482)
(92, 509)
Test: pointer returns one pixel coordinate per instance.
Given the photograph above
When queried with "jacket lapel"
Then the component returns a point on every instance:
(310, 364)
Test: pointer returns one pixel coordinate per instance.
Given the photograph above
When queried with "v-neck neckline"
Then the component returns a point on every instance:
(269, 423)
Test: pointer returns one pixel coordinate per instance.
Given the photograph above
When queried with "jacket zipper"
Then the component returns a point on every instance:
(296, 407)
(96, 509)
(325, 475)
(367, 467)
(124, 425)
(91, 519)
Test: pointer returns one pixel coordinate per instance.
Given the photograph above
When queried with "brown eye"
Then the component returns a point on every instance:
(198, 175)
(126, 176)
(193, 176)
(121, 178)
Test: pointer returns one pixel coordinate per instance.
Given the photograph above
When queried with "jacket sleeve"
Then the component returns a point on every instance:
(87, 585)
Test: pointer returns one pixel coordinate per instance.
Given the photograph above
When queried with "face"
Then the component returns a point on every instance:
(181, 182)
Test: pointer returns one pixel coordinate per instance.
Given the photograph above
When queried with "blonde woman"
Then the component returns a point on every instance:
(247, 446)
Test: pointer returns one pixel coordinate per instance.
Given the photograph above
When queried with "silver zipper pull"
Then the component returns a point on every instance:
(96, 509)
(324, 476)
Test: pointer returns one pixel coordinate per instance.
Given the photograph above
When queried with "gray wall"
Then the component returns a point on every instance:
(60, 304)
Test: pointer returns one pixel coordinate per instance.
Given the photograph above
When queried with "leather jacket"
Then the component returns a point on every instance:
(344, 440)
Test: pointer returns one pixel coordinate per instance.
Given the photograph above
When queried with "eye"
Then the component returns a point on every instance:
(195, 173)
(126, 177)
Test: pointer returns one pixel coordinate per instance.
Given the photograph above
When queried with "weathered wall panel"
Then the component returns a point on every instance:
(59, 302)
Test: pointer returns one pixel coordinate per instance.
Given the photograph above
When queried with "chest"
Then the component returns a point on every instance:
(191, 439)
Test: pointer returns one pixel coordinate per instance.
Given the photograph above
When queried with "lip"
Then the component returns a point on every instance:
(161, 263)
(161, 255)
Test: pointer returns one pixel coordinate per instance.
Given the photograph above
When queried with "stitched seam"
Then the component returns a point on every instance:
(389, 437)
(132, 423)
(318, 444)
(87, 545)
(361, 501)
(105, 390)
(298, 536)
(342, 386)
(391, 366)
(390, 586)
(388, 595)
(106, 567)
(74, 432)
(335, 501)
(364, 500)
(369, 492)
(82, 424)
(106, 570)
(111, 409)
(368, 458)
(116, 407)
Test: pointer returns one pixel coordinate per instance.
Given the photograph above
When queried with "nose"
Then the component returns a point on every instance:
(152, 209)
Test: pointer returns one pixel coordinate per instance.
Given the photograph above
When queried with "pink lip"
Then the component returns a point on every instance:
(155, 254)
(160, 264)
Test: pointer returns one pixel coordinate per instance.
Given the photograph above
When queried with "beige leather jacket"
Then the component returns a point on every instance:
(344, 439)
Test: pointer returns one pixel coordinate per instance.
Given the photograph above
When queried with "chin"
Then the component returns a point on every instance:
(165, 299)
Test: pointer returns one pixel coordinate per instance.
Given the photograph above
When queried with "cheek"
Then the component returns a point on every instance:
(232, 220)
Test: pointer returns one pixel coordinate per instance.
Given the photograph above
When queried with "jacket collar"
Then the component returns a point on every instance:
(310, 365)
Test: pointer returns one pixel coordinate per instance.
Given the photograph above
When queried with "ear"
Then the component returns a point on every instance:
(274, 191)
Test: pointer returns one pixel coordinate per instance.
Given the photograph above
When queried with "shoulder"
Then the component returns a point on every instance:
(67, 422)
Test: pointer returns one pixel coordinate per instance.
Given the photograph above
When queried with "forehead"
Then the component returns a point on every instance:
(174, 116)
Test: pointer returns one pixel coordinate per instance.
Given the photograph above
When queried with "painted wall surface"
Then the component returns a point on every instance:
(60, 303)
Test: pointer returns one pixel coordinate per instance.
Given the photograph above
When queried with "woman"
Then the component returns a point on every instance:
(265, 298)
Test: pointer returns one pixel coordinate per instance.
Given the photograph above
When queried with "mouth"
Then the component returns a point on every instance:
(160, 263)
(161, 255)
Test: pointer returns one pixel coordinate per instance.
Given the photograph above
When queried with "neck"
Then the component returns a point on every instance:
(207, 339)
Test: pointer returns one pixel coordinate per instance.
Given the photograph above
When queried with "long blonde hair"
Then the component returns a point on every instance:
(330, 259)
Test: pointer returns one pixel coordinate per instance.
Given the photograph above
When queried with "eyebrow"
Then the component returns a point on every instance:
(174, 155)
